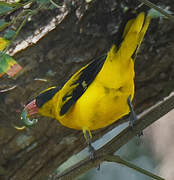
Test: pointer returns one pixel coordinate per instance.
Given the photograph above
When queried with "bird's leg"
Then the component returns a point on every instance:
(90, 147)
(133, 116)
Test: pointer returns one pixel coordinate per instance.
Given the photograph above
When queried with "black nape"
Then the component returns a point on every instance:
(46, 96)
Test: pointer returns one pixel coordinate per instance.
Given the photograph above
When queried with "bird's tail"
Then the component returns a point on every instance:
(131, 34)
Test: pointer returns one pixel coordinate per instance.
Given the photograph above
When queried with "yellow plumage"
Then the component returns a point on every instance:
(105, 100)
(97, 95)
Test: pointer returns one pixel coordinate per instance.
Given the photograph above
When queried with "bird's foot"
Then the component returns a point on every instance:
(133, 117)
(91, 150)
(88, 137)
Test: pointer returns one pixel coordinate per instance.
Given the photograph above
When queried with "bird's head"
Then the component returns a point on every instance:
(42, 104)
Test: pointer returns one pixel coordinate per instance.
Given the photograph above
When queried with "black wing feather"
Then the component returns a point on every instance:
(85, 79)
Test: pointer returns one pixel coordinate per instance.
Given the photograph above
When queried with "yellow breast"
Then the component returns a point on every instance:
(105, 100)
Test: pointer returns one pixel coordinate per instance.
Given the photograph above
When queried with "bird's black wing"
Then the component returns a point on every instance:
(86, 77)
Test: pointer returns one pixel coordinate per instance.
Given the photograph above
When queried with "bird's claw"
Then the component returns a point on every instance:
(133, 117)
(91, 150)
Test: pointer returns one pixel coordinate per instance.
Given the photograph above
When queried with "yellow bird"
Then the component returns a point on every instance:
(101, 92)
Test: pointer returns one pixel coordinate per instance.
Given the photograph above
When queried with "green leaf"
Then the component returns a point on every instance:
(3, 43)
(9, 34)
(52, 6)
(4, 63)
(2, 22)
(26, 121)
(15, 4)
(4, 9)
(8, 65)
(43, 1)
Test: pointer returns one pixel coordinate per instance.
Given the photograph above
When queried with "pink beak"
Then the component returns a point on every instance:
(31, 108)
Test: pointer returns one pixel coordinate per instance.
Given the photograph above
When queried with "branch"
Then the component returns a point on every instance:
(117, 159)
(152, 5)
(146, 119)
